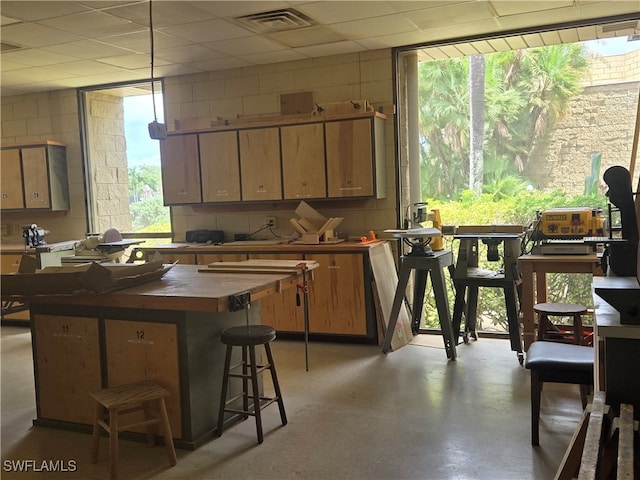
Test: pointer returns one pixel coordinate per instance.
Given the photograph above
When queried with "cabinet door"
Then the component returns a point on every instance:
(303, 164)
(349, 158)
(36, 178)
(67, 357)
(11, 179)
(281, 310)
(220, 167)
(260, 164)
(336, 294)
(180, 170)
(138, 351)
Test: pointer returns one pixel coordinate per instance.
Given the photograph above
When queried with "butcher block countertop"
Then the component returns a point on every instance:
(183, 288)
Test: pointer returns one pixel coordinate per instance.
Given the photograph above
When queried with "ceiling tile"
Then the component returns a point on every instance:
(274, 57)
(509, 7)
(141, 41)
(86, 49)
(450, 14)
(387, 41)
(220, 64)
(382, 26)
(93, 24)
(164, 13)
(35, 57)
(232, 9)
(344, 11)
(33, 11)
(187, 53)
(337, 48)
(207, 31)
(131, 61)
(86, 68)
(307, 36)
(34, 35)
(245, 46)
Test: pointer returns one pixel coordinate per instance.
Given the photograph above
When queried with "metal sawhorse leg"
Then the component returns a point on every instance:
(468, 278)
(423, 265)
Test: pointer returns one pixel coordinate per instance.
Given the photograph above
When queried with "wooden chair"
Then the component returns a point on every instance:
(248, 337)
(126, 399)
(557, 363)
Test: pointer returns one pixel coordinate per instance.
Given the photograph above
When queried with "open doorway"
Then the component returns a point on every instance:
(122, 163)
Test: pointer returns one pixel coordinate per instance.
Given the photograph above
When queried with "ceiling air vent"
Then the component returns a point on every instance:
(275, 20)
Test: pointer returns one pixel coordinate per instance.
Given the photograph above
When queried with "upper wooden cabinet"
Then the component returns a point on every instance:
(35, 177)
(219, 167)
(355, 158)
(260, 164)
(303, 161)
(339, 156)
(180, 170)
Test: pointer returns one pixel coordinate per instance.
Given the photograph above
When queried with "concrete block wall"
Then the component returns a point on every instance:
(255, 91)
(35, 118)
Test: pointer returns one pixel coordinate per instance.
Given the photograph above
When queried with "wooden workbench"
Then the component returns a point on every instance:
(167, 330)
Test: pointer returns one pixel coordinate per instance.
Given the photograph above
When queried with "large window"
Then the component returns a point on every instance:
(122, 171)
(491, 138)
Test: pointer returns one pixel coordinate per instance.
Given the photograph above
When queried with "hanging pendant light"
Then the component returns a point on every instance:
(157, 130)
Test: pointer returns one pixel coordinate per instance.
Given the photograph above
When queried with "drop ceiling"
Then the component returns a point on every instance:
(50, 45)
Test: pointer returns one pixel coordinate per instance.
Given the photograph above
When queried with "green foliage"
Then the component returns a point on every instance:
(519, 209)
(526, 93)
(144, 178)
(150, 216)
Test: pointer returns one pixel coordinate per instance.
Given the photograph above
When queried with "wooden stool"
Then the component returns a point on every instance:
(126, 399)
(558, 363)
(248, 337)
(547, 330)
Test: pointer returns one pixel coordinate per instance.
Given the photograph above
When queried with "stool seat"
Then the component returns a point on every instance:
(248, 337)
(557, 363)
(251, 335)
(560, 309)
(547, 330)
(127, 399)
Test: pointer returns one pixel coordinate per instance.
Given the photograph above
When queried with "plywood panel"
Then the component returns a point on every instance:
(180, 170)
(206, 259)
(11, 179)
(138, 351)
(36, 178)
(220, 167)
(349, 158)
(68, 362)
(336, 295)
(260, 164)
(280, 310)
(303, 161)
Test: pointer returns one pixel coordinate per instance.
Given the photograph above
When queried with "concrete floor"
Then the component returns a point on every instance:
(356, 414)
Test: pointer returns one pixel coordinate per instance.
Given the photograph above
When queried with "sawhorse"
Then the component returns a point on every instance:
(468, 277)
(423, 264)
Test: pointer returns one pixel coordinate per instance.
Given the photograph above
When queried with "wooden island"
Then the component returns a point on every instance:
(166, 330)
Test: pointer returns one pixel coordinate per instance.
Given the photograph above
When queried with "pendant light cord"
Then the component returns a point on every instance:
(153, 92)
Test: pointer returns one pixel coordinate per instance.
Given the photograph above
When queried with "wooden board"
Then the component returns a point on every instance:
(299, 102)
(67, 355)
(138, 351)
(386, 281)
(263, 265)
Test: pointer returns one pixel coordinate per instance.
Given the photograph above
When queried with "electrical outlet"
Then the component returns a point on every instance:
(271, 221)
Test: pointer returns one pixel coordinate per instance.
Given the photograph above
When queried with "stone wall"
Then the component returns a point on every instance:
(600, 120)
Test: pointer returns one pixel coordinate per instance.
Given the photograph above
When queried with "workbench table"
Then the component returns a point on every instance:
(167, 330)
(533, 293)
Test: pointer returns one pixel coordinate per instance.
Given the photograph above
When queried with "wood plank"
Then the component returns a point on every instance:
(264, 265)
(593, 439)
(571, 461)
(625, 464)
(386, 280)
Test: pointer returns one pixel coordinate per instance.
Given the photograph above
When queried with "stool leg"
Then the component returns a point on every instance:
(166, 430)
(151, 433)
(536, 390)
(276, 385)
(256, 392)
(577, 328)
(95, 439)
(113, 443)
(225, 384)
(512, 318)
(458, 309)
(245, 380)
(542, 325)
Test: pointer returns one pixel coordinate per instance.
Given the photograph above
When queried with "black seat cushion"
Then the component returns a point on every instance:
(561, 362)
(248, 335)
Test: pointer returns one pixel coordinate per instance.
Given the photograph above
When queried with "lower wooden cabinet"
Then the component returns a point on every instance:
(337, 294)
(149, 351)
(67, 360)
(282, 310)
